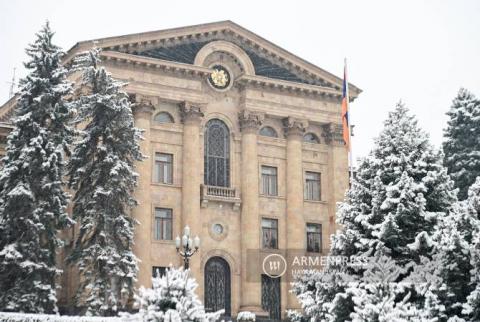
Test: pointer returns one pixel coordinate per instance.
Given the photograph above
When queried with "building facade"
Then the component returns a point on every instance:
(244, 145)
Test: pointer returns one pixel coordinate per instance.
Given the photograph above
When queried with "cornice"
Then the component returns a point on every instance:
(154, 63)
(291, 87)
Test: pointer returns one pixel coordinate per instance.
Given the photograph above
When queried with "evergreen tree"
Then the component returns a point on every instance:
(32, 199)
(462, 141)
(172, 298)
(472, 208)
(102, 173)
(397, 198)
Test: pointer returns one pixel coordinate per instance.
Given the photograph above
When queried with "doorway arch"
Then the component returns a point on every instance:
(217, 280)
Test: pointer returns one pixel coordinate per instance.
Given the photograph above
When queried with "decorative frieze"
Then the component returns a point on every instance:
(250, 121)
(191, 112)
(144, 106)
(333, 133)
(294, 127)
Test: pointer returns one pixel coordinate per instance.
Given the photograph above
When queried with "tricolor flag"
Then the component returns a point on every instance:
(345, 98)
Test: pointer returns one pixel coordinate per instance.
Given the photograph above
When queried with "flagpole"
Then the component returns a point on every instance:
(350, 149)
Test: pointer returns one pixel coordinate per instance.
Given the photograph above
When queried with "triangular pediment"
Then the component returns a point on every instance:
(182, 45)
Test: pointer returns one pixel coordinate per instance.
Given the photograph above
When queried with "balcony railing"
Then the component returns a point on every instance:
(219, 194)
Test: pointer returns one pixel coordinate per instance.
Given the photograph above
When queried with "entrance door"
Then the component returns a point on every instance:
(271, 297)
(217, 285)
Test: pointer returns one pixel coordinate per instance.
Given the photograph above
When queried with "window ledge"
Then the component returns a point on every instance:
(272, 197)
(271, 250)
(323, 202)
(164, 241)
(169, 185)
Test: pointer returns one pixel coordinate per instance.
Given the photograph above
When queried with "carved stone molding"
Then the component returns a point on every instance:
(144, 106)
(333, 134)
(294, 127)
(191, 112)
(250, 121)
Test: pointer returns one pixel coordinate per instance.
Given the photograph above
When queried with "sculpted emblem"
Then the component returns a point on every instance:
(219, 78)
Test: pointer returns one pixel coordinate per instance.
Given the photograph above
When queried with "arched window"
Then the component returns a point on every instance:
(217, 154)
(268, 131)
(163, 117)
(311, 138)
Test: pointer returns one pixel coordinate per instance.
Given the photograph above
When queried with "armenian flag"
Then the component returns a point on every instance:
(345, 98)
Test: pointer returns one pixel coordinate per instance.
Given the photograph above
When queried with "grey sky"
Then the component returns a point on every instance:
(419, 51)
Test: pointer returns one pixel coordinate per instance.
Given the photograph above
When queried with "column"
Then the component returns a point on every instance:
(142, 213)
(191, 161)
(294, 131)
(250, 123)
(338, 177)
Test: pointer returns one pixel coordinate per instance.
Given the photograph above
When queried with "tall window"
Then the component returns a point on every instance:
(163, 224)
(269, 233)
(269, 181)
(312, 186)
(163, 168)
(217, 154)
(314, 238)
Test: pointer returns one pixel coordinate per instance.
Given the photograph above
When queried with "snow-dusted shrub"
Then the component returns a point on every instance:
(172, 298)
(246, 316)
(23, 317)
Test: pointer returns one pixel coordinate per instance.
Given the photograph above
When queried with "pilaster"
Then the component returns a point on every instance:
(192, 115)
(143, 111)
(250, 123)
(337, 168)
(294, 131)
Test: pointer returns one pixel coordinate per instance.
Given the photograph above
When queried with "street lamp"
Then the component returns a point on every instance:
(189, 246)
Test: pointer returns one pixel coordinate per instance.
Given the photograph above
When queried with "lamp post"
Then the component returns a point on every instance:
(187, 245)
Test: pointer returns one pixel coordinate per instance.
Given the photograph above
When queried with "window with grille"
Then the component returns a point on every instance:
(163, 168)
(217, 154)
(269, 181)
(158, 271)
(269, 233)
(312, 186)
(163, 224)
(314, 238)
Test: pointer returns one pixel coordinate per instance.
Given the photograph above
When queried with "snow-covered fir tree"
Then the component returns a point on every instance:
(172, 298)
(32, 199)
(400, 192)
(471, 206)
(103, 177)
(462, 141)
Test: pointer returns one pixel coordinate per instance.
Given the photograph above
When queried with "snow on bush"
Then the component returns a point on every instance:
(22, 317)
(172, 298)
(246, 316)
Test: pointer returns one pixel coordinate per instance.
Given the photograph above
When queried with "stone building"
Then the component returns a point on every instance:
(245, 147)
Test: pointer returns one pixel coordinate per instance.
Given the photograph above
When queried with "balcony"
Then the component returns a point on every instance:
(219, 194)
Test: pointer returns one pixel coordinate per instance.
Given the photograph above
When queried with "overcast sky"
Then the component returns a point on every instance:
(421, 52)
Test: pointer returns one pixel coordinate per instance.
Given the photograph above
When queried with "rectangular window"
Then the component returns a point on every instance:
(163, 224)
(158, 271)
(312, 186)
(269, 233)
(314, 238)
(269, 181)
(163, 168)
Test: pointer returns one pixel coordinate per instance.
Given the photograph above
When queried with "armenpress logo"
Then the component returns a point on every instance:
(274, 265)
